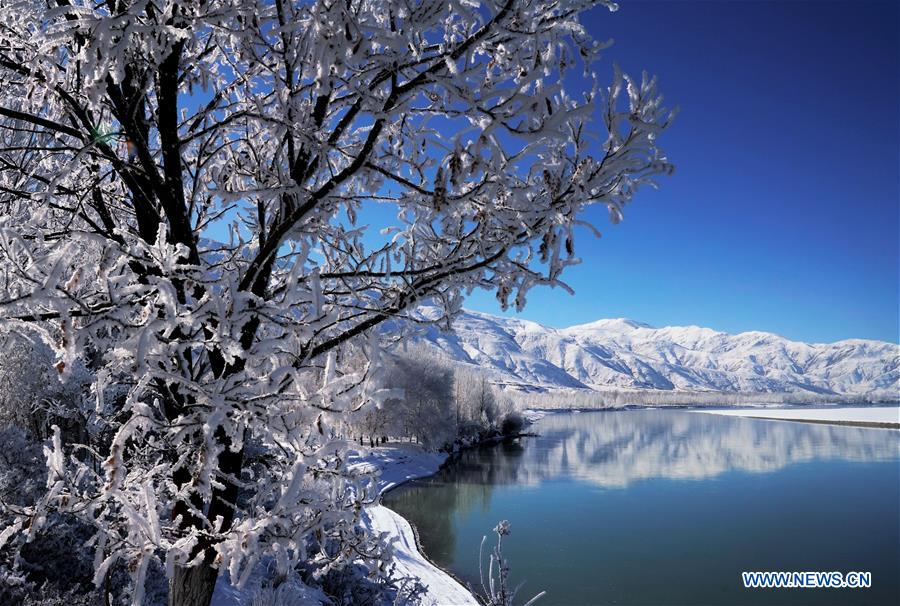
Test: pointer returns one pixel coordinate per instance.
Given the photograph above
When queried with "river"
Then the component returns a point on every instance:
(652, 507)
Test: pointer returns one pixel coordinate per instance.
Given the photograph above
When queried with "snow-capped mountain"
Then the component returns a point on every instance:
(623, 354)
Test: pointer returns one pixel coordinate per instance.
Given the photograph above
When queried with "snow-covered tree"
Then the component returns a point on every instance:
(475, 397)
(422, 407)
(426, 404)
(352, 159)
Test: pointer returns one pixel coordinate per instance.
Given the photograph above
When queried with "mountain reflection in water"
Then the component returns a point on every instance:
(619, 447)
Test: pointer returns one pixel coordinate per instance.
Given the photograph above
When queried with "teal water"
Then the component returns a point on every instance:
(657, 507)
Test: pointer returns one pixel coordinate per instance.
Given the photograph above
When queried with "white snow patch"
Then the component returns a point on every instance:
(398, 463)
(836, 414)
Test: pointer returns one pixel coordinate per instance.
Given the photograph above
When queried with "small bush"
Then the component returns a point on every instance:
(512, 424)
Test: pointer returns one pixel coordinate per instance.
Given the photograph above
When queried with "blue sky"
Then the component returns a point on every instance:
(784, 211)
(783, 214)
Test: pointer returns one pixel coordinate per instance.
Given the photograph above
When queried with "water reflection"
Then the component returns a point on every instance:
(614, 449)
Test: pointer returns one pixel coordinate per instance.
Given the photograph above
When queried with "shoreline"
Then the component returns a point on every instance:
(869, 424)
(829, 414)
(397, 465)
(415, 530)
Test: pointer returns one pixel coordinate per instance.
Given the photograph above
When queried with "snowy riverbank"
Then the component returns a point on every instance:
(865, 416)
(398, 464)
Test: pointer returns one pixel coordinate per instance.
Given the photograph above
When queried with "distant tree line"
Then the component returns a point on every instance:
(591, 399)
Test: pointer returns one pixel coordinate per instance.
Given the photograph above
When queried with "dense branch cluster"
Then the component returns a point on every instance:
(212, 205)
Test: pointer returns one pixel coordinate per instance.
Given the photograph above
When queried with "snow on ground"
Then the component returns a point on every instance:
(869, 415)
(399, 463)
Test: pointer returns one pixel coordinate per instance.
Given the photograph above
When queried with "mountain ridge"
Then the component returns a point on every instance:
(624, 354)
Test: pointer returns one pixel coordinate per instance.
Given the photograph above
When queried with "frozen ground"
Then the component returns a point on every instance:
(875, 416)
(399, 464)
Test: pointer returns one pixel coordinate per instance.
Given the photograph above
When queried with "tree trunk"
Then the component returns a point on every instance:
(192, 586)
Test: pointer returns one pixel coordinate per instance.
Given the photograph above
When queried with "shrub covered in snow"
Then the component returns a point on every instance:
(55, 563)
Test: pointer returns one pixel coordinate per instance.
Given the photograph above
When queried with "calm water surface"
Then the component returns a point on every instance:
(669, 506)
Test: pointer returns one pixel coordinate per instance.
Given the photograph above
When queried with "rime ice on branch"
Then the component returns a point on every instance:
(128, 130)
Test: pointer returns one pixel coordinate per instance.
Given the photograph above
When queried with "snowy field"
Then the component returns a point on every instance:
(875, 416)
(399, 464)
